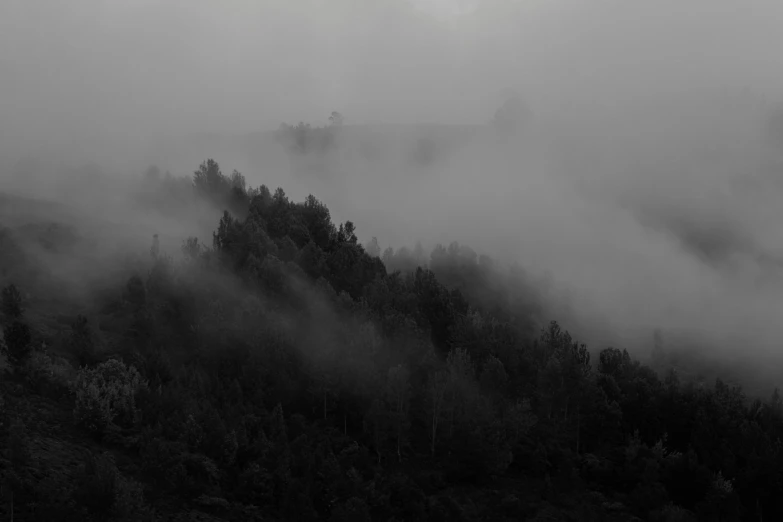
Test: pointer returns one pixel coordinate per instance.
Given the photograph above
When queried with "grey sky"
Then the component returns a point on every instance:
(99, 68)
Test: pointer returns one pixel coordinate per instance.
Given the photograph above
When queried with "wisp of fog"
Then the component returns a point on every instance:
(645, 180)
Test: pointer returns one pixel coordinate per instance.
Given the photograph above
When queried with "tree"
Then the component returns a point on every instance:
(135, 292)
(317, 219)
(209, 180)
(388, 257)
(519, 419)
(439, 383)
(237, 180)
(81, 342)
(107, 394)
(324, 386)
(346, 233)
(372, 248)
(191, 248)
(287, 249)
(493, 376)
(336, 119)
(397, 393)
(11, 303)
(155, 248)
(16, 345)
(612, 361)
(312, 260)
(375, 422)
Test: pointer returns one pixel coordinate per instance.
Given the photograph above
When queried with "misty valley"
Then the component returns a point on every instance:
(391, 261)
(273, 367)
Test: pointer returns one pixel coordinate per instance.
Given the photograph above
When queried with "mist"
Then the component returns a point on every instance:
(645, 182)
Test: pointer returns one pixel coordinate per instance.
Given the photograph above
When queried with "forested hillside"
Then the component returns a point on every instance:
(287, 372)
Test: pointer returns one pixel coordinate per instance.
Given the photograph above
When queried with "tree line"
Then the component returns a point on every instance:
(287, 372)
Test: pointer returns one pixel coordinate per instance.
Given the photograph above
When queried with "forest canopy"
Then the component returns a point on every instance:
(284, 371)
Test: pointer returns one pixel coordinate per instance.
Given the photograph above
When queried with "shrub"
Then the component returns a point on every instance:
(107, 394)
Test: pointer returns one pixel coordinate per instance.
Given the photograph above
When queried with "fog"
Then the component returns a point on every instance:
(646, 181)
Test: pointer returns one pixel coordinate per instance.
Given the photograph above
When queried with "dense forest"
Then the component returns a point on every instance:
(288, 372)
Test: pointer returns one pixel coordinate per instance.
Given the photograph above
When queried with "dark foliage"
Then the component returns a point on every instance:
(11, 303)
(81, 342)
(303, 139)
(289, 373)
(16, 344)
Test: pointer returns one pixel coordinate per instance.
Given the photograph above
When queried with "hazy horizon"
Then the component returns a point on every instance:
(644, 181)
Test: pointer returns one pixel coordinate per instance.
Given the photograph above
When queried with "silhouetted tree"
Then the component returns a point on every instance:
(16, 345)
(81, 342)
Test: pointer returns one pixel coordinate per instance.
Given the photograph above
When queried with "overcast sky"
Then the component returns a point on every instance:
(142, 67)
(103, 80)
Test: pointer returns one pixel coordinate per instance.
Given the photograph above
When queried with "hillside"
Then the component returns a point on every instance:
(405, 146)
(284, 371)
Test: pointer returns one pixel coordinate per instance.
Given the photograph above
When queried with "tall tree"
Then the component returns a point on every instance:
(16, 343)
(398, 394)
(438, 385)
